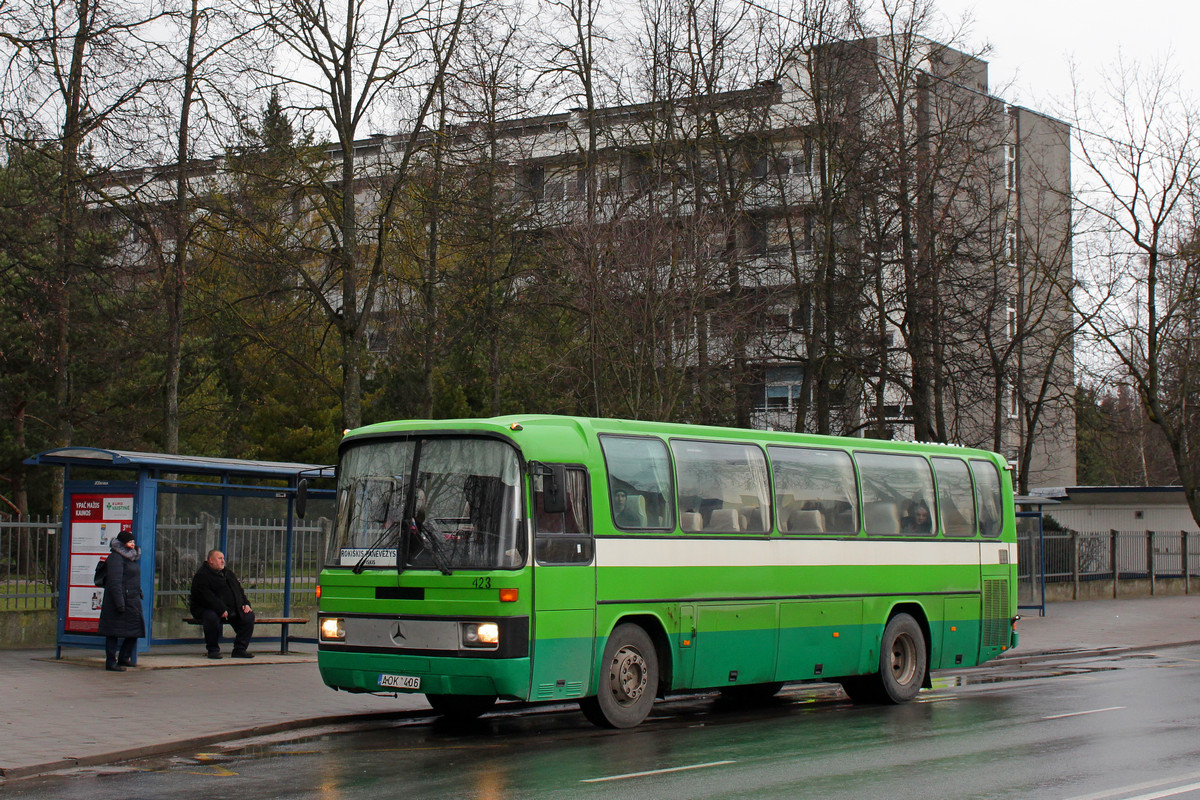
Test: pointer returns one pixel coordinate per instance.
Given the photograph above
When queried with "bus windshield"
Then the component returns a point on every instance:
(442, 503)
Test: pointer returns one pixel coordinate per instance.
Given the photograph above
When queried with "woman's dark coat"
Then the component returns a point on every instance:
(121, 612)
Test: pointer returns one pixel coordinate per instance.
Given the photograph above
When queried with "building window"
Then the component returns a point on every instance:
(755, 235)
(535, 182)
(637, 173)
(802, 316)
(1011, 317)
(1010, 167)
(760, 167)
(1013, 402)
(1010, 245)
(781, 389)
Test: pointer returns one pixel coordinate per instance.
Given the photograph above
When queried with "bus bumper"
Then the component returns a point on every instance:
(390, 674)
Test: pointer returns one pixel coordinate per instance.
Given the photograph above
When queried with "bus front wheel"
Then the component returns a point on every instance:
(628, 680)
(902, 664)
(461, 707)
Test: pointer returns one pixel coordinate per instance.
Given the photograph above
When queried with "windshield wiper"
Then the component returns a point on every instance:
(434, 546)
(379, 540)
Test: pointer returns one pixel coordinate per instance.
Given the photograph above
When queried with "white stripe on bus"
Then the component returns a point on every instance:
(697, 552)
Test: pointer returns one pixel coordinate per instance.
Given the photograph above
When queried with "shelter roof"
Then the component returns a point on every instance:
(1115, 495)
(160, 462)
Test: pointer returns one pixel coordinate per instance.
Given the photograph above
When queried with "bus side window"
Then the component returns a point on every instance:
(815, 490)
(897, 491)
(725, 483)
(564, 538)
(956, 502)
(987, 497)
(639, 482)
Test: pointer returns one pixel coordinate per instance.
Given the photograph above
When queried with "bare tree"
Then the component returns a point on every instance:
(200, 72)
(361, 63)
(81, 69)
(1138, 201)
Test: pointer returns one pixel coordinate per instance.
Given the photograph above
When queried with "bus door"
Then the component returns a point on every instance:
(564, 583)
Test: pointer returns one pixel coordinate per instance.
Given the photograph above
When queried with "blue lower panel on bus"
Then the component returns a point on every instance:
(363, 672)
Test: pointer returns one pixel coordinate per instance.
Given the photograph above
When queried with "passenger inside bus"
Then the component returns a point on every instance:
(628, 509)
(917, 520)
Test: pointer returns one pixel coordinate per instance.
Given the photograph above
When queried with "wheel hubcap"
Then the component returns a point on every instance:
(904, 662)
(627, 675)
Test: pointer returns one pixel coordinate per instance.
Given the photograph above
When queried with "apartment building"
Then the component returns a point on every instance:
(867, 244)
(875, 245)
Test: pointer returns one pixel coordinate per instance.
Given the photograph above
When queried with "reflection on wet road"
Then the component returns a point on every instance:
(1103, 729)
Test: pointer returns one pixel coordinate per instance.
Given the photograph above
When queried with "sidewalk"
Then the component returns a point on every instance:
(60, 714)
(71, 712)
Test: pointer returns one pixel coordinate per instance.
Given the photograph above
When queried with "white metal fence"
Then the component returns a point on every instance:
(1085, 557)
(276, 571)
(29, 549)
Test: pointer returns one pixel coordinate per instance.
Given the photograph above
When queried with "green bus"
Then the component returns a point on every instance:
(610, 562)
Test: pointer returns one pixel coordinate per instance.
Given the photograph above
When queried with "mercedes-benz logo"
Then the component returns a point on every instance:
(397, 632)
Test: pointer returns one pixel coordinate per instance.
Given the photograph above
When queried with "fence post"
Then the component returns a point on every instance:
(1112, 558)
(1187, 567)
(1075, 564)
(1150, 559)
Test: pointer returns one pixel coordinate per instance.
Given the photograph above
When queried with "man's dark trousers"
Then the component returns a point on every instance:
(242, 624)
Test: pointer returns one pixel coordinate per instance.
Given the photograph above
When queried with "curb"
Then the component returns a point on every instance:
(1037, 656)
(33, 770)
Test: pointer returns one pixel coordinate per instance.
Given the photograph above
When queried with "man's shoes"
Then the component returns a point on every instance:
(215, 654)
(121, 663)
(114, 668)
(242, 654)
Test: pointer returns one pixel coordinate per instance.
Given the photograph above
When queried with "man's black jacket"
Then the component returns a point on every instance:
(217, 589)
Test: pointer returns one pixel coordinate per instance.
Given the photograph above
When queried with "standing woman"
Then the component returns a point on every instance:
(121, 612)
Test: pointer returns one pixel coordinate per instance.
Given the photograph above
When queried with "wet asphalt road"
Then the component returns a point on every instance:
(1120, 727)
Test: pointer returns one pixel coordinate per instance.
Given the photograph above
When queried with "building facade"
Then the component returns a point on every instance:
(867, 243)
(870, 244)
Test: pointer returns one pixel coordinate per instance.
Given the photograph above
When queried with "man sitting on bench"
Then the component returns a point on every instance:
(218, 598)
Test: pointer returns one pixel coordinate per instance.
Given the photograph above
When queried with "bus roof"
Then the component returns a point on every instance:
(563, 438)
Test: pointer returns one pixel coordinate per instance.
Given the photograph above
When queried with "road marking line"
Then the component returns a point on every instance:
(1141, 787)
(1084, 713)
(1166, 792)
(655, 772)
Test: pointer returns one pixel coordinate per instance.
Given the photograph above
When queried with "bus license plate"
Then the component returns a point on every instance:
(400, 681)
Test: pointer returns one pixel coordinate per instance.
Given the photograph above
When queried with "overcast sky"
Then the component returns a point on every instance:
(1033, 41)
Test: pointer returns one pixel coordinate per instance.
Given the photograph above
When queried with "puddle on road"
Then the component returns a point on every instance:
(1010, 673)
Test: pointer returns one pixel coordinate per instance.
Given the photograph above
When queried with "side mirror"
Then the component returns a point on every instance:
(554, 489)
(301, 497)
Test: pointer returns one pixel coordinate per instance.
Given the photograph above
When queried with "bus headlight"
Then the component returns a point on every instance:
(333, 629)
(481, 634)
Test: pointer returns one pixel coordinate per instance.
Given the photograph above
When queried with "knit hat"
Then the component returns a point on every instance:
(125, 537)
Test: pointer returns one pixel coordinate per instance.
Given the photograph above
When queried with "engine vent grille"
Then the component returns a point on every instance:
(996, 624)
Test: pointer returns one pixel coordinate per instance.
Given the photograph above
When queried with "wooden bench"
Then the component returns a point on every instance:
(283, 622)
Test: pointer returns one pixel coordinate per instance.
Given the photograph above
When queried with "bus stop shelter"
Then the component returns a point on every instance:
(178, 508)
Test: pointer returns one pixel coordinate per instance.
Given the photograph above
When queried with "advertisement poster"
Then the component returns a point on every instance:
(96, 519)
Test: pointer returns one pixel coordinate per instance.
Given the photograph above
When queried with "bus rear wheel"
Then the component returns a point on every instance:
(628, 680)
(902, 664)
(461, 707)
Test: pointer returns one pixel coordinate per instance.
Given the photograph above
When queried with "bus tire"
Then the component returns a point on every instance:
(902, 660)
(628, 680)
(461, 707)
(902, 664)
